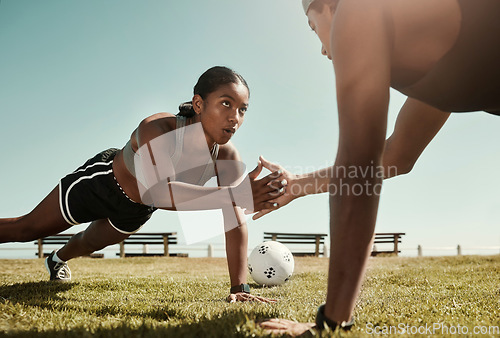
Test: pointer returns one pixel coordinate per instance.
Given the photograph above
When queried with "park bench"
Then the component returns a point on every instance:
(146, 239)
(60, 240)
(299, 238)
(393, 238)
(383, 238)
(143, 239)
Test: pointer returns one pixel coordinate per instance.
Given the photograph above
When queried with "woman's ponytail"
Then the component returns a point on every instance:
(186, 109)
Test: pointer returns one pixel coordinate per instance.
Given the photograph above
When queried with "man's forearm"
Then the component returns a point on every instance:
(352, 221)
(318, 182)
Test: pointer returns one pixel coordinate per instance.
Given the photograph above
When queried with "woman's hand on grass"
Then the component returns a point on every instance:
(285, 326)
(247, 297)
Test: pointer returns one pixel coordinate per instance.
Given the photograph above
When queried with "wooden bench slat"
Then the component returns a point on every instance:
(152, 254)
(296, 238)
(303, 254)
(149, 237)
(390, 233)
(299, 238)
(148, 242)
(298, 242)
(293, 234)
(155, 240)
(145, 238)
(318, 239)
(92, 255)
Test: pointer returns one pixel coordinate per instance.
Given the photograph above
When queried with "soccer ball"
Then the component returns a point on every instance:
(271, 263)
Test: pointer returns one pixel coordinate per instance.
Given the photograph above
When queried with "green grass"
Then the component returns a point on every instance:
(177, 297)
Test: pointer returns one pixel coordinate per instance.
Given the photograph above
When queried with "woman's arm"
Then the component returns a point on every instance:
(236, 253)
(235, 226)
(155, 173)
(236, 247)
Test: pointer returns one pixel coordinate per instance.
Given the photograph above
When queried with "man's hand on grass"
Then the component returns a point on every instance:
(247, 297)
(285, 326)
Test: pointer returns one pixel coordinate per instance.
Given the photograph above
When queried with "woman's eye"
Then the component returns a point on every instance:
(243, 111)
(225, 104)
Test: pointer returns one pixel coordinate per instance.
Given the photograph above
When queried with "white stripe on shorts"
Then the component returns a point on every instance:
(61, 206)
(73, 184)
(125, 232)
(91, 165)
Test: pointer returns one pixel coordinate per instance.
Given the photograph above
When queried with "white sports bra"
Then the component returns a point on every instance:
(209, 172)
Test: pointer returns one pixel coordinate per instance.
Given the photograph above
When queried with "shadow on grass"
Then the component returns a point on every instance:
(33, 293)
(230, 324)
(157, 321)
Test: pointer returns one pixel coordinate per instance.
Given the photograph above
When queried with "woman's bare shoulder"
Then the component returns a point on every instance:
(228, 151)
(160, 118)
(156, 125)
(165, 121)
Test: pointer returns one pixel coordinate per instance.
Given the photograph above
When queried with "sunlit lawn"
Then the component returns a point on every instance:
(176, 297)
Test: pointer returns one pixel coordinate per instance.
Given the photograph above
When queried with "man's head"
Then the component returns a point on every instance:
(318, 4)
(320, 15)
(306, 4)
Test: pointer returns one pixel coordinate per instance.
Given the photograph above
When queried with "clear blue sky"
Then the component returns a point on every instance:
(76, 77)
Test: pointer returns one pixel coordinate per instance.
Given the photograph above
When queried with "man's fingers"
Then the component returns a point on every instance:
(277, 184)
(261, 213)
(270, 205)
(276, 192)
(269, 165)
(254, 173)
(274, 189)
(272, 176)
(274, 324)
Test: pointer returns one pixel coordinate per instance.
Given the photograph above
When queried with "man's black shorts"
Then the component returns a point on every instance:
(91, 193)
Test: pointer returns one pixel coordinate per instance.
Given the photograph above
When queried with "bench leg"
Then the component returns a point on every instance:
(40, 248)
(396, 241)
(122, 250)
(165, 246)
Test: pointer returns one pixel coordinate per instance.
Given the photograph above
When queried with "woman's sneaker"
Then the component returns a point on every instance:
(58, 271)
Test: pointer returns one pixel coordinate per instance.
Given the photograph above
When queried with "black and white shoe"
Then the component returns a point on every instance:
(58, 271)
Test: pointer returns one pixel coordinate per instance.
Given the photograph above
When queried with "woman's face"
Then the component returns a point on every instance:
(222, 112)
(320, 23)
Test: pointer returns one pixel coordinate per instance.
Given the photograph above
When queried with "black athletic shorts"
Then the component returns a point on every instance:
(91, 193)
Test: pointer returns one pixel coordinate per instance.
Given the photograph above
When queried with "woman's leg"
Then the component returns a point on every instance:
(97, 236)
(46, 219)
